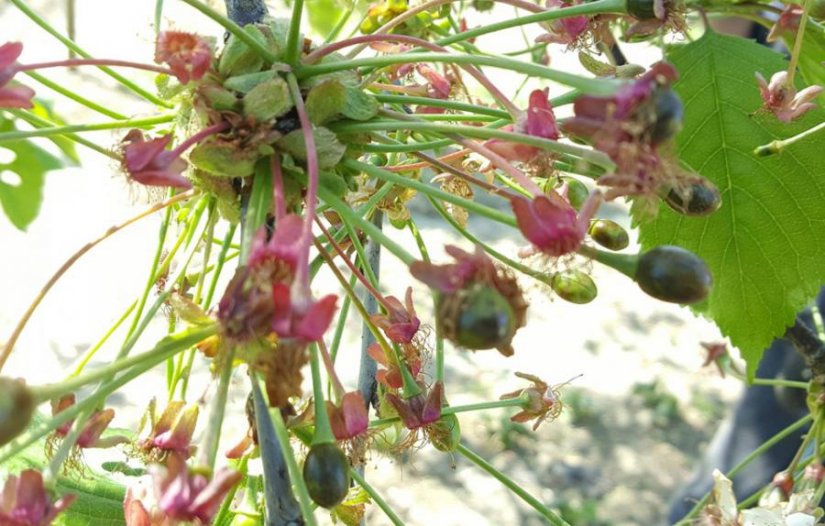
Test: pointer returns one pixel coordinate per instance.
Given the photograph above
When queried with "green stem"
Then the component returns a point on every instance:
(624, 263)
(347, 214)
(586, 85)
(227, 242)
(384, 175)
(74, 96)
(765, 446)
(260, 203)
(163, 350)
(72, 128)
(376, 498)
(158, 15)
(213, 431)
(451, 410)
(39, 122)
(37, 19)
(93, 350)
(233, 28)
(512, 486)
(340, 325)
(591, 156)
(775, 147)
(441, 103)
(293, 39)
(323, 430)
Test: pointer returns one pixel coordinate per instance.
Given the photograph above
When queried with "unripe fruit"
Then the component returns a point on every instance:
(609, 234)
(577, 192)
(673, 274)
(16, 408)
(326, 474)
(669, 114)
(641, 9)
(700, 198)
(574, 286)
(485, 319)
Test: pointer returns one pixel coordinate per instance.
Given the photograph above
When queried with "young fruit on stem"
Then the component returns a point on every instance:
(326, 474)
(673, 274)
(609, 234)
(16, 408)
(699, 198)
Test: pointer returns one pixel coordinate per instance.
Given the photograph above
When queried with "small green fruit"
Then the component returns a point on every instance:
(698, 199)
(485, 319)
(326, 474)
(574, 286)
(609, 234)
(16, 408)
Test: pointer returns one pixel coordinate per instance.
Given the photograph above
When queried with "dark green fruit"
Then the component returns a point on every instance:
(16, 408)
(641, 9)
(669, 114)
(609, 234)
(698, 199)
(673, 274)
(445, 435)
(485, 319)
(326, 474)
(574, 286)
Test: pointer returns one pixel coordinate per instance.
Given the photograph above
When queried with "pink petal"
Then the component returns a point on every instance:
(138, 155)
(163, 178)
(9, 53)
(16, 97)
(317, 319)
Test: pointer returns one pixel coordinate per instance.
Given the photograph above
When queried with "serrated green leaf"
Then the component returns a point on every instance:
(21, 199)
(765, 245)
(268, 100)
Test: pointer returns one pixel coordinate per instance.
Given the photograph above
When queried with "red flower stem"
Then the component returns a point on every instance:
(357, 273)
(406, 39)
(200, 136)
(93, 62)
(337, 386)
(302, 266)
(277, 187)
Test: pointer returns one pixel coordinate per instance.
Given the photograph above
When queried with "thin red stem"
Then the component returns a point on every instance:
(278, 187)
(406, 39)
(93, 62)
(337, 386)
(200, 136)
(302, 268)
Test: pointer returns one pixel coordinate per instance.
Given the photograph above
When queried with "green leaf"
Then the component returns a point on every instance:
(21, 189)
(323, 15)
(765, 244)
(325, 101)
(328, 147)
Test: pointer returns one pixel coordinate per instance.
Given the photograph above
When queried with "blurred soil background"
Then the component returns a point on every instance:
(634, 424)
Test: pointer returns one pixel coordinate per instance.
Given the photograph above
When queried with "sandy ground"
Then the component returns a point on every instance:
(613, 457)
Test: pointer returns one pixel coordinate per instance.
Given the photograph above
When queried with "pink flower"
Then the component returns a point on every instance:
(420, 410)
(150, 163)
(400, 324)
(782, 99)
(538, 121)
(351, 418)
(451, 277)
(788, 22)
(551, 224)
(24, 501)
(567, 30)
(188, 495)
(187, 55)
(542, 401)
(14, 96)
(91, 434)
